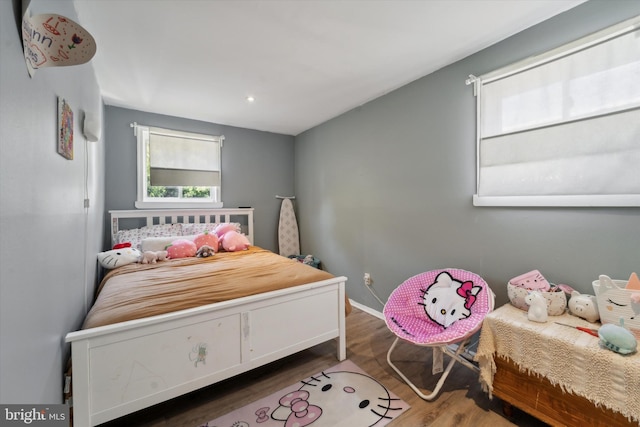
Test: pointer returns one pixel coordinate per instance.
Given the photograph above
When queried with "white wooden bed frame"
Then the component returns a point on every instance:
(122, 368)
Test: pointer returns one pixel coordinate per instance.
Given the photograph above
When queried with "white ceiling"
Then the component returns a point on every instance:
(304, 61)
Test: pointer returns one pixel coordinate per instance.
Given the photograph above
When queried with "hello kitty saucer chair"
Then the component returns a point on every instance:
(441, 309)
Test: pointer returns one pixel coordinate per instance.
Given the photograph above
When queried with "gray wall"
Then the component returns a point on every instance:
(48, 240)
(256, 166)
(387, 188)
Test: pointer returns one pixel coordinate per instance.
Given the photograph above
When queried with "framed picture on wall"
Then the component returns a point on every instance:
(65, 129)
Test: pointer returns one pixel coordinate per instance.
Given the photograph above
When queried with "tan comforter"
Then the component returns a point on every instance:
(135, 291)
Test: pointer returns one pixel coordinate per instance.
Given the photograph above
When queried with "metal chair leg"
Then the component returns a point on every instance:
(455, 357)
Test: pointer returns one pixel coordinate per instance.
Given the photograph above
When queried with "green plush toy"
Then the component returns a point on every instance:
(617, 338)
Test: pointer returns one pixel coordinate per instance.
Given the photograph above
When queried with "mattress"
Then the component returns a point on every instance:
(137, 291)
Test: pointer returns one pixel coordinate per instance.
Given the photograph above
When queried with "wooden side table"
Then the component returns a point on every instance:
(537, 381)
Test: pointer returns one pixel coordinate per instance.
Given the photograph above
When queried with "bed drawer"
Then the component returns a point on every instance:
(135, 368)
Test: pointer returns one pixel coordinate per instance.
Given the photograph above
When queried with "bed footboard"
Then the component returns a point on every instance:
(122, 368)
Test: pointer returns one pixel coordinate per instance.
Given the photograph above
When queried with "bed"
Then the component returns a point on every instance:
(122, 363)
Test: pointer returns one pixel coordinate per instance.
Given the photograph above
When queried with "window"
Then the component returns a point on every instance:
(563, 128)
(177, 169)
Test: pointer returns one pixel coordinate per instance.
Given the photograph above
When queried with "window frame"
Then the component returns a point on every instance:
(573, 200)
(145, 202)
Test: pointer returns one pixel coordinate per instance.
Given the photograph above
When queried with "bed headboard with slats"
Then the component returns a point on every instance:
(127, 219)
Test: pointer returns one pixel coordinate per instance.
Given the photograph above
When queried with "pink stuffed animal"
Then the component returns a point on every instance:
(232, 241)
(222, 229)
(207, 239)
(181, 248)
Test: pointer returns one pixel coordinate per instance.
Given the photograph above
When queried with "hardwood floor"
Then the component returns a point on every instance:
(460, 403)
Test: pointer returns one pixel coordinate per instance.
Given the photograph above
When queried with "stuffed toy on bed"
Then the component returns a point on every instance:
(224, 228)
(181, 248)
(119, 257)
(232, 241)
(151, 257)
(207, 239)
(205, 251)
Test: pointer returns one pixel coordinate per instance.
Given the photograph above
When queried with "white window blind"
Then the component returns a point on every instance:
(177, 168)
(563, 128)
(178, 159)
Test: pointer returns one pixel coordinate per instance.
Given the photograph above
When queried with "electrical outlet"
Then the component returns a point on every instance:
(367, 279)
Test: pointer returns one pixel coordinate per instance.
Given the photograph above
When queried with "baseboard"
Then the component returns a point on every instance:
(367, 309)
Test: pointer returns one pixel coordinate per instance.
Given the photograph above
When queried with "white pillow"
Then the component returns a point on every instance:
(136, 235)
(201, 228)
(162, 230)
(132, 236)
(189, 229)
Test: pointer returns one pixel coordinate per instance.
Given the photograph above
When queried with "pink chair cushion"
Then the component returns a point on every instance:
(439, 307)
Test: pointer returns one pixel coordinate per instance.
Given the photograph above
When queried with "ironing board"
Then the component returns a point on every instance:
(288, 237)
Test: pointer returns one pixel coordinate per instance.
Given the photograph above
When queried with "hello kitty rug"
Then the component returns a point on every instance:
(341, 396)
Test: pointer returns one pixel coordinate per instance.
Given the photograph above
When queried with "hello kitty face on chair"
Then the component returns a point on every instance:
(448, 300)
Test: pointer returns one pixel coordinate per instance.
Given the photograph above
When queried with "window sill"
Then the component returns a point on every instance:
(614, 200)
(177, 205)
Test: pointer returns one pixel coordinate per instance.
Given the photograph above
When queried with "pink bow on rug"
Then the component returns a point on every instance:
(302, 413)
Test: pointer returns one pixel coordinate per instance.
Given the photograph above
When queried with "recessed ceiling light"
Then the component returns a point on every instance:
(250, 98)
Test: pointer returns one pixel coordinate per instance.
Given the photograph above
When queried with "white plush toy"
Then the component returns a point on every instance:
(162, 255)
(585, 306)
(148, 257)
(151, 257)
(118, 257)
(537, 307)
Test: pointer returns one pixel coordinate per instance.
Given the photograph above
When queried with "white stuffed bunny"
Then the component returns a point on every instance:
(537, 307)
